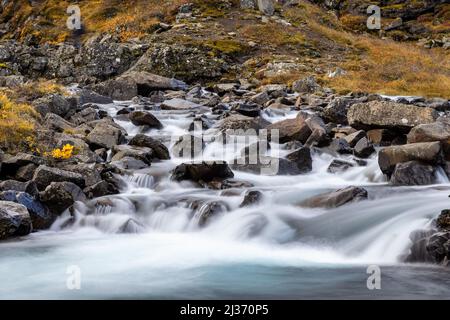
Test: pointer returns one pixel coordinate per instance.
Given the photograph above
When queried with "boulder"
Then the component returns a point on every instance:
(437, 131)
(337, 166)
(202, 171)
(40, 215)
(413, 173)
(86, 115)
(266, 7)
(53, 103)
(87, 96)
(302, 157)
(100, 189)
(11, 165)
(266, 165)
(363, 149)
(56, 123)
(14, 220)
(381, 137)
(251, 198)
(59, 196)
(306, 85)
(136, 83)
(290, 130)
(160, 151)
(142, 118)
(340, 146)
(206, 210)
(240, 122)
(353, 138)
(443, 221)
(427, 152)
(45, 175)
(140, 153)
(336, 198)
(105, 135)
(389, 115)
(28, 187)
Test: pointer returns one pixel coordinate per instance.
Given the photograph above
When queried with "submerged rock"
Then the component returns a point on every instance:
(336, 198)
(251, 198)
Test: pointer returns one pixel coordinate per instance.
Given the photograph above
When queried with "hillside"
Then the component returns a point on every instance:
(300, 39)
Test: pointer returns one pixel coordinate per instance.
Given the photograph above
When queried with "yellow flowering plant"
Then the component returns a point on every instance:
(64, 153)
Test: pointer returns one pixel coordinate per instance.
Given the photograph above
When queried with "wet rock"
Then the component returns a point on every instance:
(413, 173)
(427, 152)
(134, 83)
(141, 153)
(202, 171)
(41, 217)
(205, 211)
(100, 189)
(131, 226)
(223, 184)
(45, 175)
(340, 146)
(59, 196)
(129, 163)
(87, 96)
(363, 148)
(290, 130)
(336, 198)
(142, 118)
(14, 220)
(105, 135)
(388, 115)
(443, 221)
(188, 146)
(337, 166)
(251, 198)
(160, 151)
(302, 157)
(266, 165)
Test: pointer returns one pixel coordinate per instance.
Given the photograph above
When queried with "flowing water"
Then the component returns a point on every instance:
(274, 249)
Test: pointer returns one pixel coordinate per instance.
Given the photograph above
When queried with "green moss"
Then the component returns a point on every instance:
(228, 47)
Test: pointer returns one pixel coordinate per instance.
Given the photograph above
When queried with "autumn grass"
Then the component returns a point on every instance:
(17, 124)
(399, 69)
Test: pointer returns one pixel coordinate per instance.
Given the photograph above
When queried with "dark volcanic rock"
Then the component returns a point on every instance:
(59, 196)
(203, 171)
(302, 157)
(14, 220)
(160, 151)
(141, 118)
(44, 175)
(251, 198)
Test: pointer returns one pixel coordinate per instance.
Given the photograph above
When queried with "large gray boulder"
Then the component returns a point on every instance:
(105, 135)
(389, 115)
(14, 220)
(427, 152)
(142, 118)
(436, 131)
(160, 151)
(44, 176)
(202, 171)
(135, 83)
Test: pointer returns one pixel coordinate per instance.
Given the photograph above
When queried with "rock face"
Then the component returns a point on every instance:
(14, 220)
(336, 198)
(202, 172)
(132, 84)
(413, 173)
(389, 115)
(426, 152)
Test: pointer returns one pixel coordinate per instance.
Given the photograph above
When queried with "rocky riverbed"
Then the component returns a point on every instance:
(163, 178)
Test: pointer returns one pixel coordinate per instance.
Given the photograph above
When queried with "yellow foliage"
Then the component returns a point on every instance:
(66, 152)
(17, 124)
